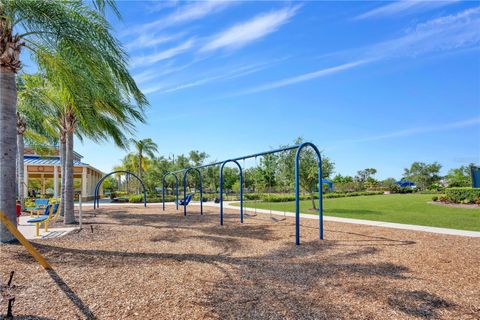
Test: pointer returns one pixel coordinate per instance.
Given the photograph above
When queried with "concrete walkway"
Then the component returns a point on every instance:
(28, 230)
(455, 232)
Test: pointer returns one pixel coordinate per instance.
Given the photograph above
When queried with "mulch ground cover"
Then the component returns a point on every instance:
(143, 263)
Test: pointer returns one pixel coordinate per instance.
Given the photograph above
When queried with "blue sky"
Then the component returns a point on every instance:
(373, 84)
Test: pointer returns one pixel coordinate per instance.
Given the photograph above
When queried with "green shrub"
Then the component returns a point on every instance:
(138, 198)
(462, 195)
(135, 198)
(252, 196)
(435, 198)
(265, 197)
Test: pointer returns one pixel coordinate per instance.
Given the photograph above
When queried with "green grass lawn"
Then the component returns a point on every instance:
(399, 208)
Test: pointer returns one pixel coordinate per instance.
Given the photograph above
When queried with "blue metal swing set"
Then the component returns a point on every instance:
(299, 148)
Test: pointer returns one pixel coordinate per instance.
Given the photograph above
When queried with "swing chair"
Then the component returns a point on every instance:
(274, 219)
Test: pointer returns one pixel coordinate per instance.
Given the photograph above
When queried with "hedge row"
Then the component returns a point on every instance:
(138, 198)
(264, 197)
(462, 195)
(291, 197)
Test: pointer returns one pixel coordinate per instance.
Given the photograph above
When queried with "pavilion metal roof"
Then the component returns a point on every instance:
(51, 161)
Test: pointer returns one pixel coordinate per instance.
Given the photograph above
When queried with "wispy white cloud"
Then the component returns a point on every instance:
(251, 30)
(144, 76)
(403, 7)
(147, 40)
(306, 77)
(441, 34)
(421, 130)
(221, 75)
(185, 13)
(157, 6)
(154, 88)
(160, 71)
(451, 32)
(162, 55)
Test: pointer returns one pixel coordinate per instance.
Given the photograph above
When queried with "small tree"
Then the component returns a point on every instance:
(459, 177)
(423, 174)
(364, 175)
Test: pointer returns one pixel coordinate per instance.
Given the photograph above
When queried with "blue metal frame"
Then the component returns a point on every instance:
(297, 191)
(221, 189)
(297, 183)
(163, 187)
(185, 190)
(96, 199)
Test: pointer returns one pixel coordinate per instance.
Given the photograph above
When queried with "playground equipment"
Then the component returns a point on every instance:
(96, 198)
(176, 187)
(185, 203)
(221, 189)
(222, 164)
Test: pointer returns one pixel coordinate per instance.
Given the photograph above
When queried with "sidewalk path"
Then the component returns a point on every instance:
(28, 230)
(455, 232)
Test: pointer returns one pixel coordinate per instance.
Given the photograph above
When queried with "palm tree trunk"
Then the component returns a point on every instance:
(139, 170)
(69, 185)
(62, 174)
(140, 166)
(20, 168)
(8, 150)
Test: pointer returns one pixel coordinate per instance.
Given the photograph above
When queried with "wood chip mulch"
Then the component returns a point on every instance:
(137, 263)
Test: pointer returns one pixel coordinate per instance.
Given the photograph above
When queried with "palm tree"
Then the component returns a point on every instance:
(31, 125)
(144, 146)
(118, 175)
(93, 116)
(45, 26)
(72, 44)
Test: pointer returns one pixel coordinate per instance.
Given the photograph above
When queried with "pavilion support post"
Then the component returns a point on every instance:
(55, 181)
(84, 182)
(25, 181)
(42, 190)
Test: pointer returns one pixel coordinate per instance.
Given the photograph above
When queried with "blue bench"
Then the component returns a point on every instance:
(51, 213)
(40, 204)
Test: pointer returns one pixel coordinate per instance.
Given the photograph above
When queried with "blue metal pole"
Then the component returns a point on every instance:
(320, 197)
(221, 189)
(163, 191)
(297, 191)
(185, 192)
(241, 192)
(221, 193)
(176, 188)
(247, 157)
(201, 192)
(297, 197)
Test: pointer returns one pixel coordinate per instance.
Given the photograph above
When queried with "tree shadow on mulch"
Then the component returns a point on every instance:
(202, 223)
(227, 244)
(286, 283)
(378, 240)
(25, 317)
(418, 303)
(71, 295)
